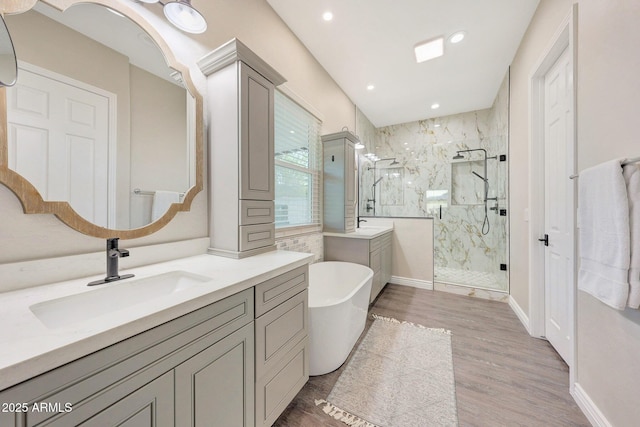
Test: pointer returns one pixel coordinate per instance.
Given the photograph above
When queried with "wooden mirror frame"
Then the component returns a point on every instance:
(31, 200)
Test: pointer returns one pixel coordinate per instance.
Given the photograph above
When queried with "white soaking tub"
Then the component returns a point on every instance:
(338, 303)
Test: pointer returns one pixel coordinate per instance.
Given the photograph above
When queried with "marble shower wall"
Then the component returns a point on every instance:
(428, 182)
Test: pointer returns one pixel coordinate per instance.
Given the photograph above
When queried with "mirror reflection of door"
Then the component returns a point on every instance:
(59, 132)
(154, 132)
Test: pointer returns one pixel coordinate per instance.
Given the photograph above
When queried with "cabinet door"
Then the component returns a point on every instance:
(350, 174)
(375, 265)
(256, 136)
(152, 406)
(386, 263)
(216, 386)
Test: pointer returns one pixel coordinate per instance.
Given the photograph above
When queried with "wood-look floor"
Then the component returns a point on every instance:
(503, 376)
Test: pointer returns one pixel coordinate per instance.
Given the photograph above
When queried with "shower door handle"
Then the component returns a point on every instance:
(440, 214)
(545, 240)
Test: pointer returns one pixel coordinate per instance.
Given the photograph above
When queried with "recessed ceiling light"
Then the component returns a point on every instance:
(437, 125)
(429, 50)
(327, 16)
(435, 106)
(371, 87)
(457, 37)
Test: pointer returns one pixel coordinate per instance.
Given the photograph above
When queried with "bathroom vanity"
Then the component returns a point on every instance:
(226, 346)
(370, 246)
(198, 341)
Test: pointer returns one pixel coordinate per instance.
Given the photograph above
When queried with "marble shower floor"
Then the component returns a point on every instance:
(476, 279)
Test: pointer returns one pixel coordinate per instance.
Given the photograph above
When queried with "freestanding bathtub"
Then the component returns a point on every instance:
(338, 302)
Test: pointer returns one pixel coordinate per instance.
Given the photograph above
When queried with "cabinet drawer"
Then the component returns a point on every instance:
(279, 289)
(257, 236)
(280, 385)
(279, 330)
(256, 212)
(87, 383)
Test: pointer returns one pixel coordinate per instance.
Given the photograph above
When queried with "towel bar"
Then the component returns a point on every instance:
(626, 162)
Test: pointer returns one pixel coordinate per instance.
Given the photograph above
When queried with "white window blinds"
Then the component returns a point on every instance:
(298, 160)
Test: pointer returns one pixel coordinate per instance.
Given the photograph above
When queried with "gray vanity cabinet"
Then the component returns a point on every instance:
(226, 364)
(374, 253)
(133, 380)
(282, 356)
(240, 101)
(339, 182)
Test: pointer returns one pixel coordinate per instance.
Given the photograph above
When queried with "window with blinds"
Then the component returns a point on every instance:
(298, 164)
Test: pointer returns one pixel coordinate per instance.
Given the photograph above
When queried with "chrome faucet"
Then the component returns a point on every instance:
(113, 254)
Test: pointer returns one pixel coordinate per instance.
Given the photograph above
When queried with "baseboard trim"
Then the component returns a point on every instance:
(524, 319)
(415, 283)
(589, 408)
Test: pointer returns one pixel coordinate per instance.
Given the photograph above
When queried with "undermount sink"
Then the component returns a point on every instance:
(112, 297)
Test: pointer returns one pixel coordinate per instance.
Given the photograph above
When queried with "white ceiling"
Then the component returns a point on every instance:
(371, 42)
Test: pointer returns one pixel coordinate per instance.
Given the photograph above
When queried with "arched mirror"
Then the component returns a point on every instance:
(104, 126)
(8, 63)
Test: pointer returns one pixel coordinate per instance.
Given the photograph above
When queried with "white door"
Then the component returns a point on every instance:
(59, 141)
(559, 158)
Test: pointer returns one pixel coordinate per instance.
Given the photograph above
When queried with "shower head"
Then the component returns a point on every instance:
(394, 162)
(458, 156)
(377, 181)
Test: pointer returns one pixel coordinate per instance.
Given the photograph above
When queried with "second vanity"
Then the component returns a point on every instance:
(370, 246)
(217, 341)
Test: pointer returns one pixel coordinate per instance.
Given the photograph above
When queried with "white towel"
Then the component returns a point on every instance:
(162, 200)
(631, 175)
(604, 234)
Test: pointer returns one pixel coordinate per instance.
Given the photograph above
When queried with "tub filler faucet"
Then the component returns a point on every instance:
(113, 254)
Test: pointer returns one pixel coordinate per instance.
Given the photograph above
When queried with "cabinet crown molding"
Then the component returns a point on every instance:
(340, 135)
(232, 51)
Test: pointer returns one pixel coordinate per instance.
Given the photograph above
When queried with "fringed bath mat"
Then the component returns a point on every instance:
(400, 375)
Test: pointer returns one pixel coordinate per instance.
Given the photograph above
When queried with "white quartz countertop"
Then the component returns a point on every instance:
(28, 347)
(364, 232)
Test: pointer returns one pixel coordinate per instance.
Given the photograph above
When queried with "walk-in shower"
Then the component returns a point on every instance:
(462, 186)
(370, 206)
(486, 226)
(453, 170)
